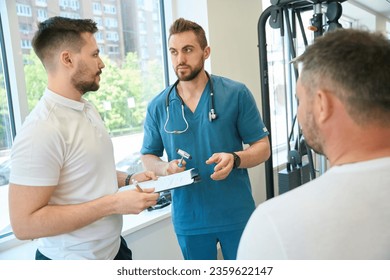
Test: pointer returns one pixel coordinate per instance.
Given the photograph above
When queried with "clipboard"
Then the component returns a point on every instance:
(169, 182)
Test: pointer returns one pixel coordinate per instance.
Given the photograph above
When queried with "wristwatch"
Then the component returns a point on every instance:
(237, 160)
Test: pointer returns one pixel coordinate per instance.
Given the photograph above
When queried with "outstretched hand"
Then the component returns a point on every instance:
(224, 165)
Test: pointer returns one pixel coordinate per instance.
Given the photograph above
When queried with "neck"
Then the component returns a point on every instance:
(64, 89)
(193, 88)
(362, 144)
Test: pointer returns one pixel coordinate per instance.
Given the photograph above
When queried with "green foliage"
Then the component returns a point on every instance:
(118, 87)
(36, 79)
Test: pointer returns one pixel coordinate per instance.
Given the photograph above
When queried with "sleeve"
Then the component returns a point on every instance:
(37, 156)
(250, 124)
(152, 142)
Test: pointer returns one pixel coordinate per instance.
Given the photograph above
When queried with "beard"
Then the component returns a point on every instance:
(81, 82)
(310, 132)
(194, 72)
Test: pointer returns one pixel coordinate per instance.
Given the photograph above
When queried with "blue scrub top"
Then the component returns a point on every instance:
(208, 206)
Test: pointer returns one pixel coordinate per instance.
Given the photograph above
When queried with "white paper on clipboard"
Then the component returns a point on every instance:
(168, 182)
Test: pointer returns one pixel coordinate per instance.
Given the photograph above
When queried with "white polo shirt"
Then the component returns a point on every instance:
(64, 143)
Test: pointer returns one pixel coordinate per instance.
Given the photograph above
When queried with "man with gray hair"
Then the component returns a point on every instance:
(343, 95)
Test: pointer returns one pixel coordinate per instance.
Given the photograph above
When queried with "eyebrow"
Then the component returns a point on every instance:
(184, 47)
(188, 46)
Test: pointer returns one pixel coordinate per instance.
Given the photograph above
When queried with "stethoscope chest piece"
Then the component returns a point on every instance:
(212, 115)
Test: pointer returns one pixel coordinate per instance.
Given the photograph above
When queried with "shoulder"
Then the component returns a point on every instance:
(227, 82)
(33, 131)
(40, 122)
(160, 98)
(291, 200)
(231, 88)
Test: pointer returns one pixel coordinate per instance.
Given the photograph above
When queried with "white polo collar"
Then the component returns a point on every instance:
(73, 104)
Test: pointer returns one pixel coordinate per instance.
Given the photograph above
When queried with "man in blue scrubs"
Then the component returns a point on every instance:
(209, 117)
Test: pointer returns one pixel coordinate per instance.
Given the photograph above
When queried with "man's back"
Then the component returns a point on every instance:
(344, 214)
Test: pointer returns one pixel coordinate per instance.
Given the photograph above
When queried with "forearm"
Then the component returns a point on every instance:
(53, 220)
(255, 154)
(155, 164)
(122, 177)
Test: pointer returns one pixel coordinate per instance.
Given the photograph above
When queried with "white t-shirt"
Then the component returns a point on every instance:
(64, 143)
(343, 214)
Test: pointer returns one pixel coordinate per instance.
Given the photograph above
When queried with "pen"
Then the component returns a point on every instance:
(135, 183)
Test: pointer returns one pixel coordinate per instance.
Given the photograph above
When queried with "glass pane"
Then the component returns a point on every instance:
(134, 65)
(5, 146)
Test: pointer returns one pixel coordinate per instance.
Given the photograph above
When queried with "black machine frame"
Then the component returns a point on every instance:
(283, 15)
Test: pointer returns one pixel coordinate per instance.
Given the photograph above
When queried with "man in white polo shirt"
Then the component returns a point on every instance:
(63, 183)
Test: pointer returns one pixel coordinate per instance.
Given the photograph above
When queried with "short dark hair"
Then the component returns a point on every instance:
(56, 32)
(355, 66)
(182, 25)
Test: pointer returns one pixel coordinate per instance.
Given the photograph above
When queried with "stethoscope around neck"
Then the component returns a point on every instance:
(212, 114)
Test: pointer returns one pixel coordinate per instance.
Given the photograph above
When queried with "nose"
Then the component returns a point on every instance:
(181, 58)
(101, 64)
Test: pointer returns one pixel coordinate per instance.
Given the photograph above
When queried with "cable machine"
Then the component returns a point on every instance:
(284, 15)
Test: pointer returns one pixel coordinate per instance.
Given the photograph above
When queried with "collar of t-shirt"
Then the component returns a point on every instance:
(55, 97)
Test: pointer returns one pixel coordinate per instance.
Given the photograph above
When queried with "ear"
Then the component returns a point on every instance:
(206, 52)
(66, 58)
(324, 105)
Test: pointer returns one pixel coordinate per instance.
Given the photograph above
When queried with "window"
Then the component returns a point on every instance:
(97, 8)
(72, 4)
(111, 22)
(99, 22)
(41, 15)
(26, 44)
(388, 29)
(281, 78)
(127, 77)
(41, 3)
(6, 137)
(282, 75)
(25, 28)
(99, 37)
(282, 89)
(23, 10)
(70, 15)
(102, 50)
(109, 9)
(113, 50)
(112, 36)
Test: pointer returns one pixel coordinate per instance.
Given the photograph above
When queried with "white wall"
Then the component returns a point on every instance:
(234, 53)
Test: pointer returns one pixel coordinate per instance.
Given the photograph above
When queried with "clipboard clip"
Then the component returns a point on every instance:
(195, 175)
